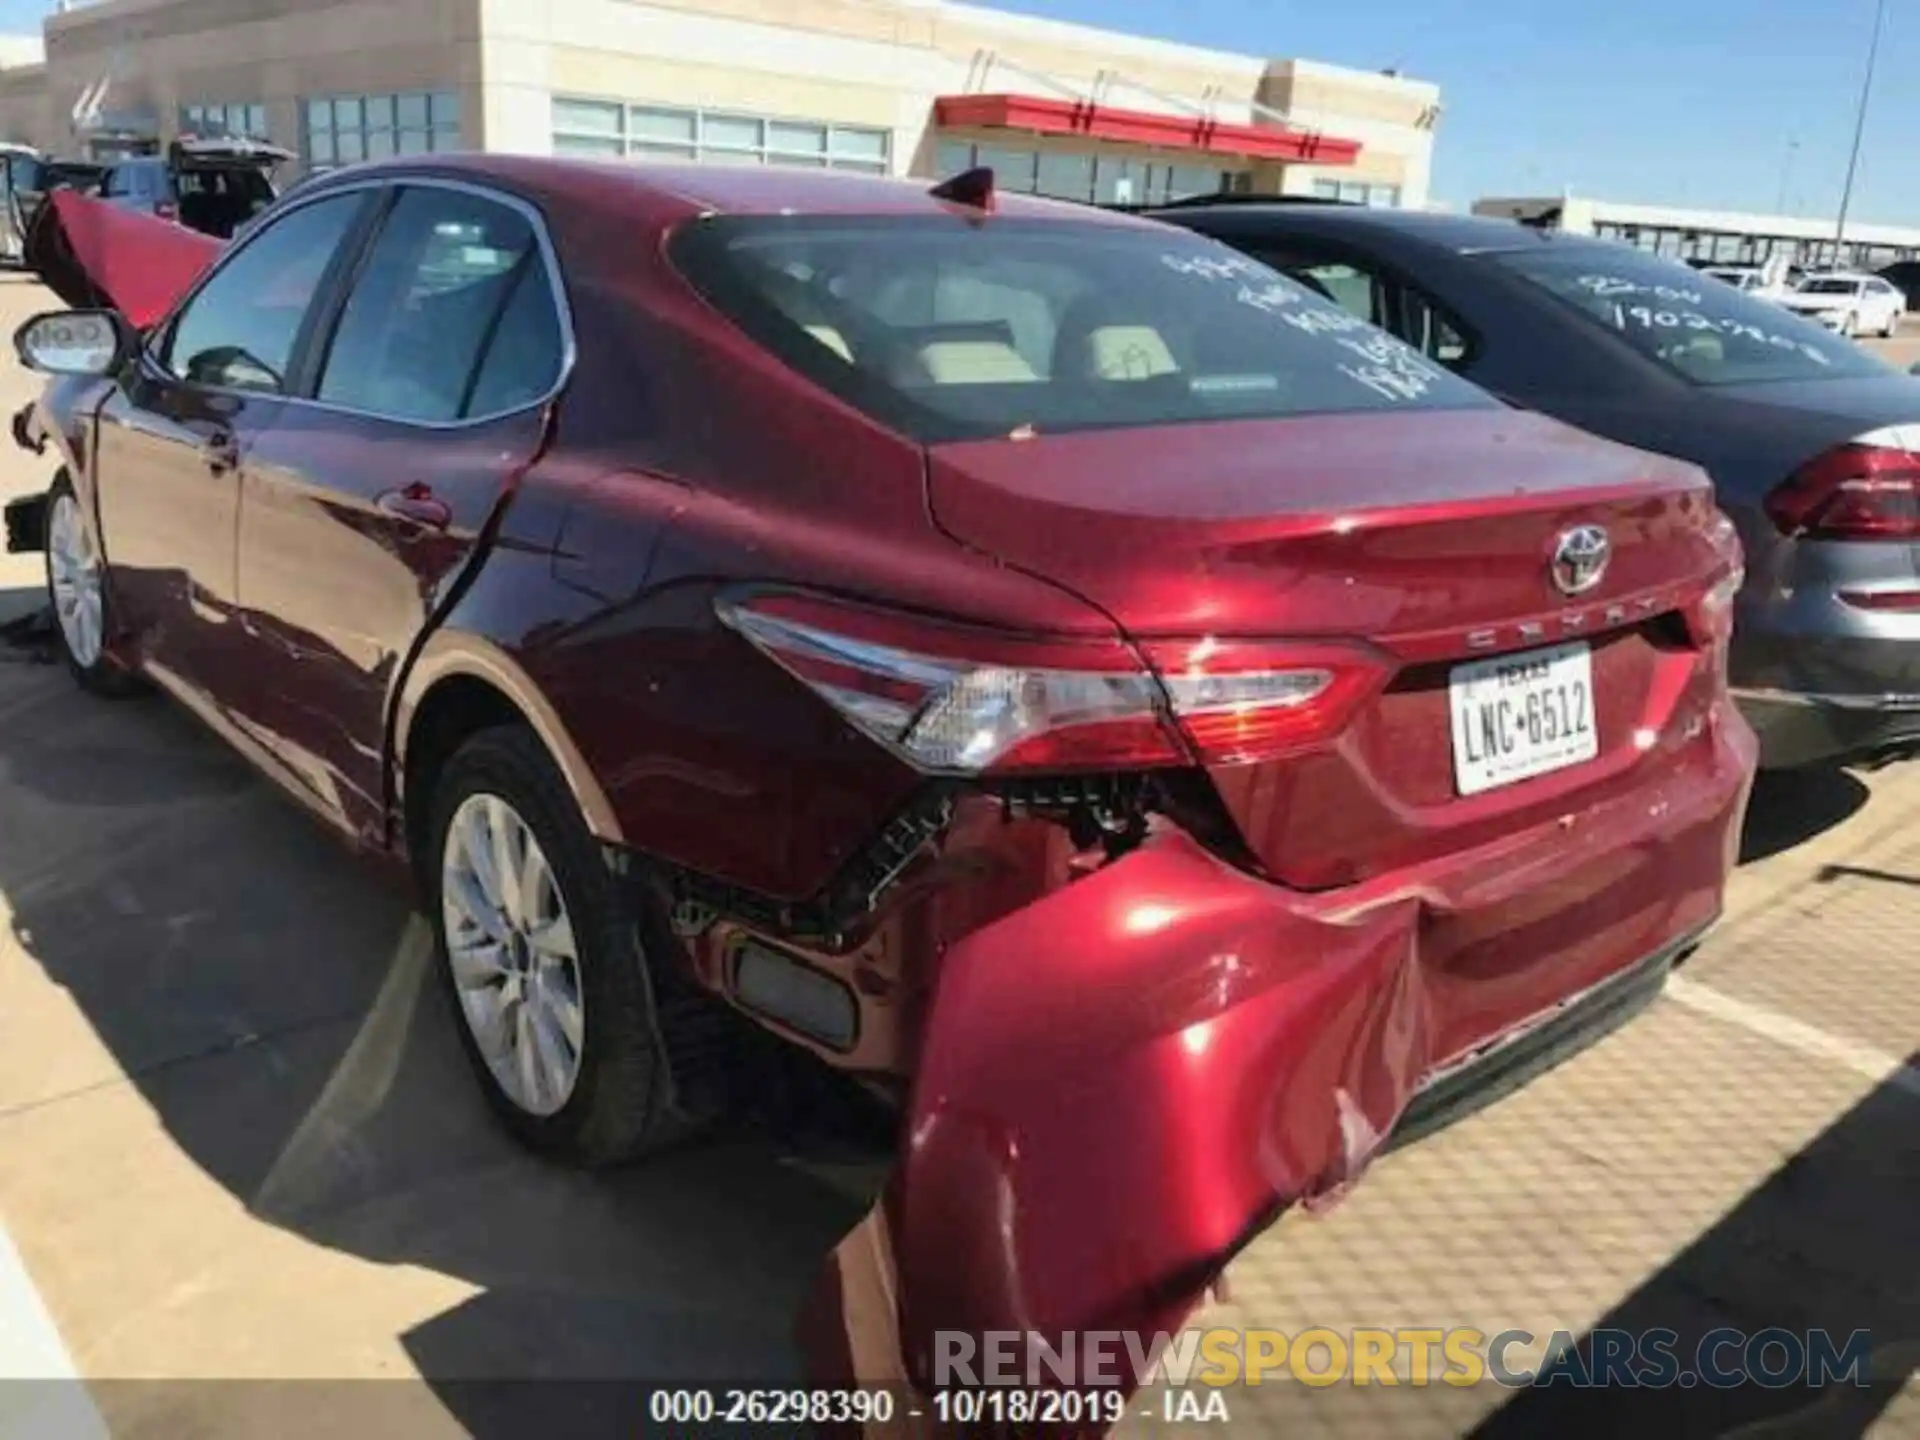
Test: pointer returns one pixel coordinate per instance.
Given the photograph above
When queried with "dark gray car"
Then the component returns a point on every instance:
(1813, 443)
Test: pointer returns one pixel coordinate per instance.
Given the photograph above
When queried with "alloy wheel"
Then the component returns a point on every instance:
(73, 575)
(511, 946)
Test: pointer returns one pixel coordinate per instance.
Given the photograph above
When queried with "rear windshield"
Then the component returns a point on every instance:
(1829, 287)
(950, 328)
(1709, 334)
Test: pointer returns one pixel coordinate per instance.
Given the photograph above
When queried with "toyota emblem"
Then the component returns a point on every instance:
(1580, 559)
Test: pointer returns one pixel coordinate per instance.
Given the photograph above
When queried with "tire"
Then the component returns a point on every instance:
(77, 592)
(594, 1019)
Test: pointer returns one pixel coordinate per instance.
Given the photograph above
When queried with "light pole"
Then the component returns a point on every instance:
(1859, 128)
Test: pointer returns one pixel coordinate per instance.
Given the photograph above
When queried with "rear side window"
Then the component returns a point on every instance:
(1352, 290)
(453, 314)
(523, 361)
(1701, 330)
(949, 329)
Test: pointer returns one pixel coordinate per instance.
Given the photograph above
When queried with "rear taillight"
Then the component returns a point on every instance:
(1863, 490)
(956, 700)
(1240, 700)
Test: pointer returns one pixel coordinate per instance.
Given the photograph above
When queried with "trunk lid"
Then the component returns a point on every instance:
(1429, 538)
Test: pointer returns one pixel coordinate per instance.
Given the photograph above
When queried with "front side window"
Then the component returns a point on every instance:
(238, 332)
(451, 277)
(1707, 333)
(947, 330)
(24, 172)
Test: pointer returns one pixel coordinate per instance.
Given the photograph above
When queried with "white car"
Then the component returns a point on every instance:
(1849, 304)
(1751, 279)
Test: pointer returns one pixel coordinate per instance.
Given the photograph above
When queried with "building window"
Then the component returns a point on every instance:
(1110, 178)
(1354, 192)
(247, 121)
(715, 137)
(345, 129)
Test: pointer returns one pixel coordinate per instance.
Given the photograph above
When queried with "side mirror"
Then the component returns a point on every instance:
(75, 342)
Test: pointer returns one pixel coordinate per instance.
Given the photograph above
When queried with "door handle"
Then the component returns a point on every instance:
(222, 451)
(416, 503)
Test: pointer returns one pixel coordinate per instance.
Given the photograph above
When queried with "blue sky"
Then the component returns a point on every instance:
(1685, 102)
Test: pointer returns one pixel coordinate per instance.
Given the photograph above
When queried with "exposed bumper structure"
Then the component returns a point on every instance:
(1123, 1083)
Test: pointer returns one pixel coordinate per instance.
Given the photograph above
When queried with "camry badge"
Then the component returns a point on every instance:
(1579, 559)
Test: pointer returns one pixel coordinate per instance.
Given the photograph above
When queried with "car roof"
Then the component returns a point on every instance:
(675, 189)
(1464, 234)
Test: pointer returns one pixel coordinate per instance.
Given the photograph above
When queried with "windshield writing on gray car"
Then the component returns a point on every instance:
(1707, 333)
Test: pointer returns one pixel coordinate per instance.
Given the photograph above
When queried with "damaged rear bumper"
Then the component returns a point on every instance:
(1122, 1084)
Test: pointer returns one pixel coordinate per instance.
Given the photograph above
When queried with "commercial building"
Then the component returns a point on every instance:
(910, 87)
(1721, 237)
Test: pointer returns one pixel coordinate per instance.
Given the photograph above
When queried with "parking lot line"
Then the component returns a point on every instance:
(1863, 1060)
(41, 1394)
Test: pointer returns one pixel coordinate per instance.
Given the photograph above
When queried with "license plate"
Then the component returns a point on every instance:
(1521, 716)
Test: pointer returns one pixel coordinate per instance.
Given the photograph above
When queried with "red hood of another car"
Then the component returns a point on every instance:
(96, 255)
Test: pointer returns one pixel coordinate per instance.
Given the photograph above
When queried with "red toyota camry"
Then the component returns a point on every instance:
(1164, 737)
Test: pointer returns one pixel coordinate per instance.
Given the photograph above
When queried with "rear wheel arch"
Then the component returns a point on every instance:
(458, 686)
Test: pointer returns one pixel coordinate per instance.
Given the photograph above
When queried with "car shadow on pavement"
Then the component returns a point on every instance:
(1791, 807)
(1826, 1243)
(274, 1006)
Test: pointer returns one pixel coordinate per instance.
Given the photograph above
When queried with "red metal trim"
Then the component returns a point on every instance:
(1045, 116)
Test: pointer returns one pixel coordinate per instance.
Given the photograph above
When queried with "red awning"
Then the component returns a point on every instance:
(1045, 116)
